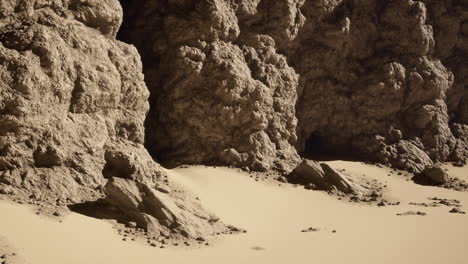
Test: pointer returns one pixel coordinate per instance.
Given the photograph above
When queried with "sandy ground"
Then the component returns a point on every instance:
(274, 216)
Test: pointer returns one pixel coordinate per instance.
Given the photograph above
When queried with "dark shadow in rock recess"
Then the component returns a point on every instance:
(318, 148)
(100, 209)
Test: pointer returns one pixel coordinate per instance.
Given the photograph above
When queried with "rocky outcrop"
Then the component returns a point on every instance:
(155, 209)
(435, 174)
(320, 176)
(72, 108)
(378, 80)
(71, 95)
(372, 84)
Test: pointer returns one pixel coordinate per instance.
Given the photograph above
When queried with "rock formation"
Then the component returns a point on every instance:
(252, 83)
(320, 176)
(372, 83)
(73, 104)
(218, 95)
(155, 209)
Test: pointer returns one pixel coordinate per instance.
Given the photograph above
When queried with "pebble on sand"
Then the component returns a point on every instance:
(456, 210)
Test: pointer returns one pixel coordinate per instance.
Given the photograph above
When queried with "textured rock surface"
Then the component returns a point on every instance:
(320, 176)
(155, 209)
(71, 97)
(72, 103)
(372, 83)
(218, 96)
(435, 174)
(381, 80)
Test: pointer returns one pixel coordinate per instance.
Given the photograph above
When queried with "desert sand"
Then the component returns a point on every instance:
(274, 214)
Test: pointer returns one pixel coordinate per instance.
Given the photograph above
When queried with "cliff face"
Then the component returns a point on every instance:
(219, 93)
(73, 104)
(72, 99)
(386, 88)
(251, 83)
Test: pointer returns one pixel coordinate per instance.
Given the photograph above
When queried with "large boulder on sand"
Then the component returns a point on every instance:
(435, 174)
(311, 171)
(322, 177)
(339, 180)
(160, 211)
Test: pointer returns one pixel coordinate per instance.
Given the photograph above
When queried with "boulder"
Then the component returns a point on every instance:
(339, 180)
(435, 174)
(321, 176)
(159, 212)
(310, 171)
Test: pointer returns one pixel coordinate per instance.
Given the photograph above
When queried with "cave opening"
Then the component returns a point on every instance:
(321, 148)
(314, 146)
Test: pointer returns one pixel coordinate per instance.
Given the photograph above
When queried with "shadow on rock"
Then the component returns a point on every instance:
(100, 209)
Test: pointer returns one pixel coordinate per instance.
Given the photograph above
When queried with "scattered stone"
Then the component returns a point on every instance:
(382, 203)
(7, 190)
(132, 224)
(412, 213)
(257, 248)
(310, 229)
(456, 210)
(282, 179)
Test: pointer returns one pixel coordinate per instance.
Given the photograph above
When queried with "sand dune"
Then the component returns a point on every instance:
(274, 216)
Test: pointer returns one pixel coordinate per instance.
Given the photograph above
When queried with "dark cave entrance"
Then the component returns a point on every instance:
(314, 145)
(318, 147)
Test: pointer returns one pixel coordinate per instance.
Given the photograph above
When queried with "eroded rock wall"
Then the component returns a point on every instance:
(373, 84)
(379, 80)
(73, 104)
(218, 95)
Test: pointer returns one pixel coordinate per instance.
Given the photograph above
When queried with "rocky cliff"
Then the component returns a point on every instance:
(252, 83)
(73, 104)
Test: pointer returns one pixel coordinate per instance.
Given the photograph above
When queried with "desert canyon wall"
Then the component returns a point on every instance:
(253, 83)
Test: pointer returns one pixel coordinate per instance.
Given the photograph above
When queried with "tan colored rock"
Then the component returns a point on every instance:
(123, 193)
(310, 171)
(435, 174)
(217, 101)
(322, 177)
(339, 180)
(376, 81)
(72, 110)
(160, 212)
